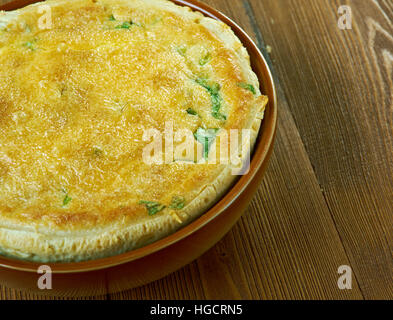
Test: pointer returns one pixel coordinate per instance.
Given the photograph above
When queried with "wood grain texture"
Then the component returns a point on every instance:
(341, 96)
(327, 198)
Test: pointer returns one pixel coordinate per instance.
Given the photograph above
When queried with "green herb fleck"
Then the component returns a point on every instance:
(67, 199)
(192, 112)
(206, 138)
(97, 152)
(205, 59)
(30, 45)
(177, 203)
(182, 50)
(248, 87)
(127, 25)
(152, 207)
(112, 18)
(124, 25)
(203, 83)
(119, 106)
(214, 90)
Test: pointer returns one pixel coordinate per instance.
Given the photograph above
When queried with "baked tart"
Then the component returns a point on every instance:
(86, 89)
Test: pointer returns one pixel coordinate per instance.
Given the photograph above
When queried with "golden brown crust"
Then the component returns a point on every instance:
(75, 101)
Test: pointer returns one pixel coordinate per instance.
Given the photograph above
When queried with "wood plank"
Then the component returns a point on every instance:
(184, 284)
(12, 294)
(339, 88)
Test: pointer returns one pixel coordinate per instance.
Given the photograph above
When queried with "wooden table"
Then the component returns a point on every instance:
(327, 198)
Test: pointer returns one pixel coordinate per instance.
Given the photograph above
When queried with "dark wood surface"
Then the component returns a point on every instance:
(327, 198)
